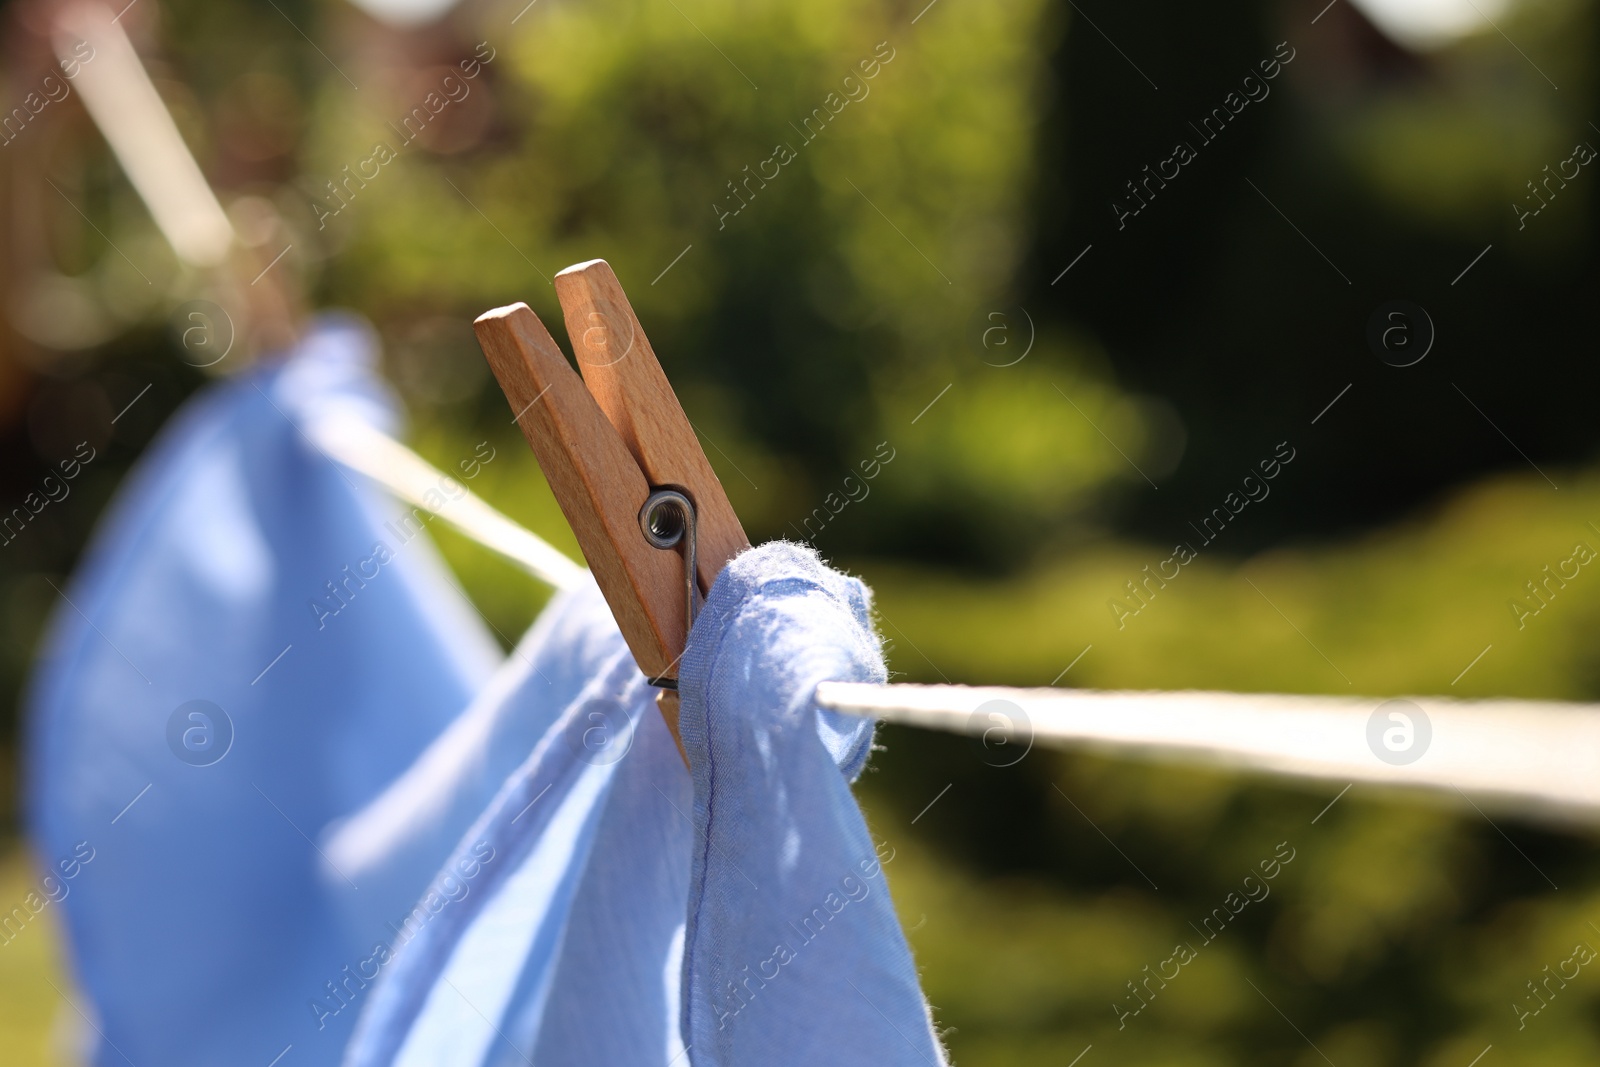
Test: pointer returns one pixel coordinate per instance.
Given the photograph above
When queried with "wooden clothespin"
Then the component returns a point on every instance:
(622, 459)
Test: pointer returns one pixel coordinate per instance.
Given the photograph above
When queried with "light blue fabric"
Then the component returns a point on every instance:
(488, 862)
(583, 905)
(794, 954)
(207, 922)
(420, 817)
(631, 904)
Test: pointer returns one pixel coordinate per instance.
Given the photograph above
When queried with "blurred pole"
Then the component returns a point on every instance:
(123, 102)
(126, 107)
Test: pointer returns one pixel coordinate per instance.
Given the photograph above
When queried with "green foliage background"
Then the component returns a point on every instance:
(854, 291)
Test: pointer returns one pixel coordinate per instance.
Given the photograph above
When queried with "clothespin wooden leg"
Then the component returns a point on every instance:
(606, 442)
(627, 381)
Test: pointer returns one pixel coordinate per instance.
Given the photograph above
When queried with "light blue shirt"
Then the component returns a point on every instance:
(312, 790)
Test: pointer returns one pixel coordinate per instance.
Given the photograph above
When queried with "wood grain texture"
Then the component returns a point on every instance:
(596, 480)
(628, 383)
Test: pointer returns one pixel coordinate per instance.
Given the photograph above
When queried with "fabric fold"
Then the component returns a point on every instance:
(793, 951)
(567, 951)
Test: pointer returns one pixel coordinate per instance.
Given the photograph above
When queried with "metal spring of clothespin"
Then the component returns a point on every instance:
(667, 520)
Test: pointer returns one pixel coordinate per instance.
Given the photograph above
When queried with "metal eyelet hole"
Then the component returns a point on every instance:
(664, 520)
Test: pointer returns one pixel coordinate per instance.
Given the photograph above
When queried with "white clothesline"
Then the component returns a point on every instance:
(1536, 758)
(368, 450)
(1539, 758)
